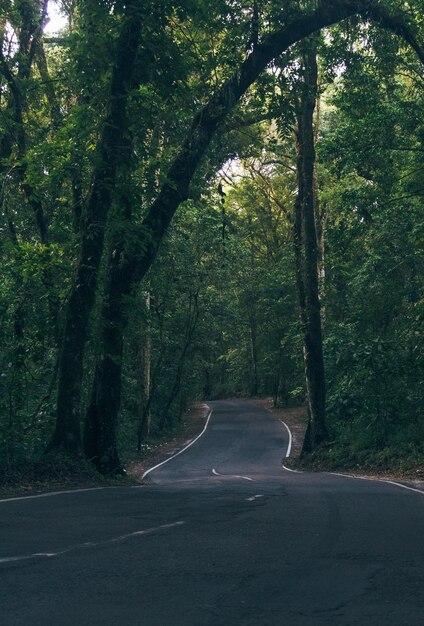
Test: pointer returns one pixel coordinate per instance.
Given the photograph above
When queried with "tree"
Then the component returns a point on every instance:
(81, 300)
(205, 124)
(372, 163)
(306, 251)
(70, 161)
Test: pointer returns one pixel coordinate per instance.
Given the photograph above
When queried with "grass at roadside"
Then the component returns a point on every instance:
(404, 463)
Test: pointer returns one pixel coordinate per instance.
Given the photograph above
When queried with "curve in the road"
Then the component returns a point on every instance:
(152, 469)
(191, 548)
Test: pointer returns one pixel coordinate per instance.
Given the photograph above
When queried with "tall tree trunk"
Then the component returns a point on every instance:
(281, 392)
(102, 413)
(306, 255)
(320, 215)
(144, 379)
(67, 434)
(16, 103)
(100, 444)
(253, 353)
(17, 81)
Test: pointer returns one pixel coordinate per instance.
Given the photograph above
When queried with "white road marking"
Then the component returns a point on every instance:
(53, 493)
(147, 531)
(392, 482)
(252, 498)
(289, 447)
(231, 475)
(181, 451)
(16, 558)
(90, 544)
(379, 480)
(292, 470)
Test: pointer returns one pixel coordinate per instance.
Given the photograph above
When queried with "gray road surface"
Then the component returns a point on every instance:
(220, 536)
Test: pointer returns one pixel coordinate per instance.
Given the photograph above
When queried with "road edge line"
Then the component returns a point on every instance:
(289, 447)
(85, 489)
(378, 480)
(181, 451)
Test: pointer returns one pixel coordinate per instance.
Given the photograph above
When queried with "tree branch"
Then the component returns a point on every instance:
(176, 189)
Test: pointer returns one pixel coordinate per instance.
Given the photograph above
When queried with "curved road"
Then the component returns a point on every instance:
(220, 535)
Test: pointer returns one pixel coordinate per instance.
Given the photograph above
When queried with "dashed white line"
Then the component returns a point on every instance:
(53, 493)
(90, 544)
(252, 498)
(181, 451)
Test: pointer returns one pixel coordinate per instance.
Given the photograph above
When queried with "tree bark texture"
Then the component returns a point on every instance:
(102, 414)
(307, 256)
(281, 391)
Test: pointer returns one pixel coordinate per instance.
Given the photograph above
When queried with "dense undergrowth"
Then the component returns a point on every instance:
(404, 460)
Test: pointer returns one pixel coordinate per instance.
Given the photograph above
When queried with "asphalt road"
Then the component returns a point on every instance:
(221, 535)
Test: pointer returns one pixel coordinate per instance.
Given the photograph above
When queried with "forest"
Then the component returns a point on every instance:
(203, 200)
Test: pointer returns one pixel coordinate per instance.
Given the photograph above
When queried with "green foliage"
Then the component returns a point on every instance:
(223, 316)
(372, 152)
